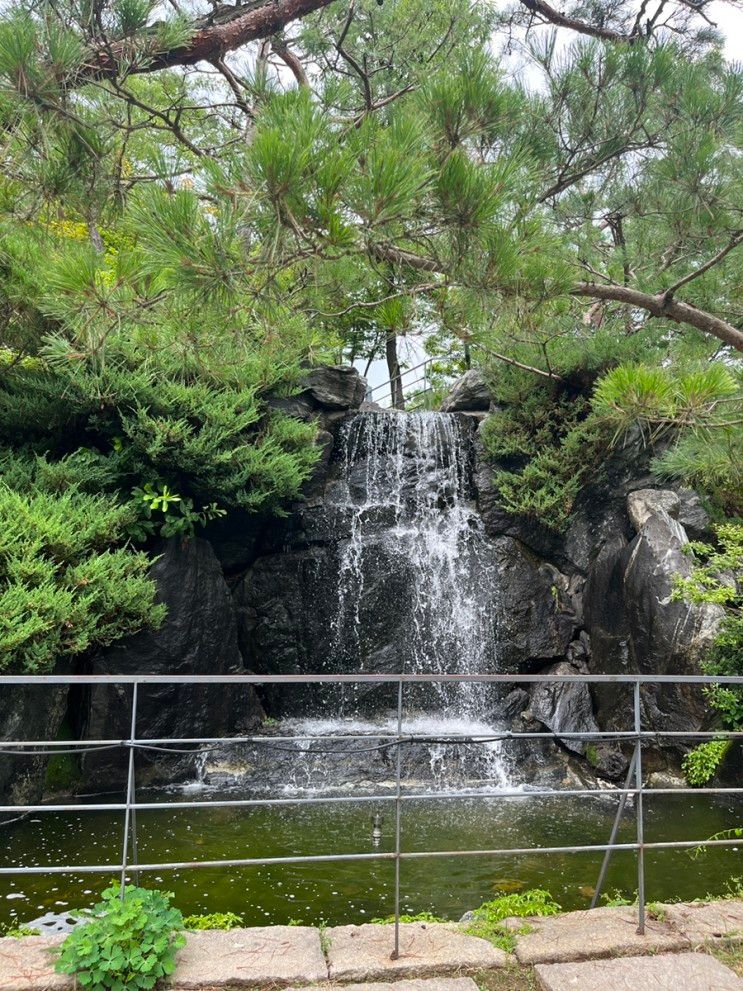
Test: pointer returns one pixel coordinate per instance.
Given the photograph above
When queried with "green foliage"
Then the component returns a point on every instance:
(701, 406)
(717, 577)
(18, 932)
(213, 920)
(128, 943)
(65, 585)
(488, 917)
(700, 764)
(616, 899)
(416, 917)
(546, 446)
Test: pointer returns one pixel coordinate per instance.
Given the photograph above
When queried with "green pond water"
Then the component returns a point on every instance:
(355, 892)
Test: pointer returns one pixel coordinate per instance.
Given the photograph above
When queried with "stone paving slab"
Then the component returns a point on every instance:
(27, 965)
(707, 922)
(362, 953)
(418, 984)
(668, 972)
(594, 933)
(244, 958)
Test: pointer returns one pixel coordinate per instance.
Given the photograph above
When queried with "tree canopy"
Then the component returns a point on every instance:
(198, 200)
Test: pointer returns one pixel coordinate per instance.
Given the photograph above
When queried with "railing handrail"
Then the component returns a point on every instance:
(398, 740)
(251, 678)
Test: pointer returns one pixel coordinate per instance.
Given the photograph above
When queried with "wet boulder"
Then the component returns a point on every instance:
(637, 626)
(28, 712)
(644, 503)
(564, 708)
(536, 619)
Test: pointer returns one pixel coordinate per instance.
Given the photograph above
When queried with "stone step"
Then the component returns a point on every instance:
(598, 932)
(363, 953)
(667, 972)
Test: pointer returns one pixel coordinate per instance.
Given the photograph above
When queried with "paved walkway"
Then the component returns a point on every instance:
(597, 950)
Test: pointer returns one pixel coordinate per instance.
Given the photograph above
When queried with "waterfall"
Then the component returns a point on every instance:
(406, 482)
(407, 583)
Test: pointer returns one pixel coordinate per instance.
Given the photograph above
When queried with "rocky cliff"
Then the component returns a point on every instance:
(262, 595)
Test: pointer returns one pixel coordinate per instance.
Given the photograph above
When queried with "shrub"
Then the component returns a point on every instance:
(129, 943)
(65, 586)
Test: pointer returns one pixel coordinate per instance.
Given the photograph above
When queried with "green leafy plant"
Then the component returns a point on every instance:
(168, 514)
(616, 899)
(701, 763)
(18, 932)
(127, 942)
(717, 578)
(213, 920)
(488, 918)
(417, 917)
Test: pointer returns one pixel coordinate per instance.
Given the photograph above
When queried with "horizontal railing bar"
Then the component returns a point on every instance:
(341, 679)
(237, 803)
(497, 736)
(407, 371)
(350, 857)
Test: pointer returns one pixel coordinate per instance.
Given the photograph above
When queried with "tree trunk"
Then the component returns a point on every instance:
(393, 368)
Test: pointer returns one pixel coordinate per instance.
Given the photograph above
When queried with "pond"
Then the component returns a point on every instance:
(359, 891)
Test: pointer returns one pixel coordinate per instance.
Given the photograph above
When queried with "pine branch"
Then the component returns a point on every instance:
(209, 41)
(659, 306)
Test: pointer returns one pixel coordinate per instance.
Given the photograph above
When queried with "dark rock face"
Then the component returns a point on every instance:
(636, 626)
(33, 712)
(564, 708)
(535, 622)
(199, 636)
(469, 393)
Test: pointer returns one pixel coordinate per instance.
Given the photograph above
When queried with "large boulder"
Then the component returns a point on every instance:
(637, 626)
(535, 615)
(644, 503)
(336, 387)
(469, 393)
(199, 636)
(564, 708)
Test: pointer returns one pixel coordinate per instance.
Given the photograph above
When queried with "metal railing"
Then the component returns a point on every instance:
(129, 863)
(422, 378)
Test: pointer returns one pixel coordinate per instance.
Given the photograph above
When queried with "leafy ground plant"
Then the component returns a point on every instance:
(487, 922)
(213, 920)
(128, 943)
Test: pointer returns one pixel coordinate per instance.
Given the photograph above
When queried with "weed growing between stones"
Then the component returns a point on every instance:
(213, 920)
(127, 943)
(488, 920)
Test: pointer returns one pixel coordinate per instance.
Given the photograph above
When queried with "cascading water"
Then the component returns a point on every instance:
(406, 483)
(416, 495)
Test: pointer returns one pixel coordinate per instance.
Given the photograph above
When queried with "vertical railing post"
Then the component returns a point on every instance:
(130, 813)
(398, 829)
(614, 831)
(639, 815)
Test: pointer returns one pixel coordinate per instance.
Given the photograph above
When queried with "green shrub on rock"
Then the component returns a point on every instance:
(130, 943)
(66, 582)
